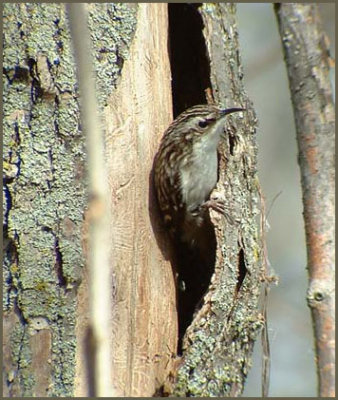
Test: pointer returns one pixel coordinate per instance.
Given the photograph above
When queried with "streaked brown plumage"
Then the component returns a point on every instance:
(186, 168)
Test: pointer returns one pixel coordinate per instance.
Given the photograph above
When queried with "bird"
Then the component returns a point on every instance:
(186, 170)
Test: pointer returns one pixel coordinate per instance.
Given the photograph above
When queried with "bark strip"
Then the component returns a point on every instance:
(308, 63)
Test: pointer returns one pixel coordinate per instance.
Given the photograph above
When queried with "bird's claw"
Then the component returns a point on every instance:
(219, 206)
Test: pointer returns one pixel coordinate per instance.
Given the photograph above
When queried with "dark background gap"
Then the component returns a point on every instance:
(190, 68)
(190, 78)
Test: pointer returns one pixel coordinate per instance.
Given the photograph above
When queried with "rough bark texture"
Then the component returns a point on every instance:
(307, 57)
(44, 201)
(219, 342)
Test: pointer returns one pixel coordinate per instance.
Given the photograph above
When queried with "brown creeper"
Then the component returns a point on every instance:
(186, 169)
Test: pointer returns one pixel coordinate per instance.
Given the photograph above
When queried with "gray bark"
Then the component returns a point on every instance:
(306, 50)
(219, 342)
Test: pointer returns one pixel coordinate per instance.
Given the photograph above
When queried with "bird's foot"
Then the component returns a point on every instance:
(215, 204)
(219, 206)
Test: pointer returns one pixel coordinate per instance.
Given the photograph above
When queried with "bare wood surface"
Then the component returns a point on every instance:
(144, 335)
(307, 58)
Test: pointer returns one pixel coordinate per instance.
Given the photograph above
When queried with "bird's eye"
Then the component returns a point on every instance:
(203, 123)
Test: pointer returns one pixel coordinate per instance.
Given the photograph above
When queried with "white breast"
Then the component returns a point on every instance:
(200, 177)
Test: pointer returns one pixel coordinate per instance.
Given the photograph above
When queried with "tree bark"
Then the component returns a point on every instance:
(219, 342)
(308, 63)
(45, 197)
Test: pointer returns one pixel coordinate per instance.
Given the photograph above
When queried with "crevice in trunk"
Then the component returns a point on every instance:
(190, 70)
(189, 61)
(242, 270)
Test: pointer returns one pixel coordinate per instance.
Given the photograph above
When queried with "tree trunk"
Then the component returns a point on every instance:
(219, 342)
(307, 58)
(45, 198)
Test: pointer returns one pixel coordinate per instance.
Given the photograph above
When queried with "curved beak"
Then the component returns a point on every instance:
(231, 110)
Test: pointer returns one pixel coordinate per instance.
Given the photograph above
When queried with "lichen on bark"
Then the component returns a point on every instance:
(45, 191)
(45, 186)
(219, 342)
